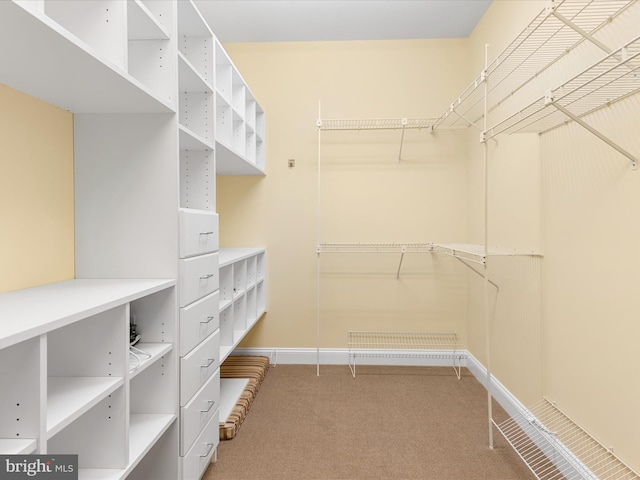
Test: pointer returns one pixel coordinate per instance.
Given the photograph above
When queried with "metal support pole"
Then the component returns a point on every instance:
(319, 123)
(487, 316)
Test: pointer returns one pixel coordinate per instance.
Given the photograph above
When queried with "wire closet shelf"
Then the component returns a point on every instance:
(554, 447)
(375, 123)
(556, 30)
(433, 345)
(474, 253)
(614, 77)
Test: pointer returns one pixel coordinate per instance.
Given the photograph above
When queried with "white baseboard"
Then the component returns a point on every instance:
(311, 356)
(503, 396)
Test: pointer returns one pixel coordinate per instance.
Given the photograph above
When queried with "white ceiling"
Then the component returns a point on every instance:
(319, 20)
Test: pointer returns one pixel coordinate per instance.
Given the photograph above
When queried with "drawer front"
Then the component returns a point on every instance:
(195, 415)
(198, 321)
(199, 276)
(198, 366)
(197, 460)
(199, 232)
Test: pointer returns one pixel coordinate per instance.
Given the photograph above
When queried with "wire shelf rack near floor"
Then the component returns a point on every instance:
(441, 346)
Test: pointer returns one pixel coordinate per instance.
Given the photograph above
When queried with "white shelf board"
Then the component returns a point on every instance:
(190, 22)
(14, 446)
(225, 351)
(229, 162)
(49, 307)
(144, 432)
(69, 397)
(224, 304)
(227, 256)
(76, 79)
(192, 141)
(156, 350)
(189, 80)
(142, 25)
(238, 336)
(100, 474)
(230, 391)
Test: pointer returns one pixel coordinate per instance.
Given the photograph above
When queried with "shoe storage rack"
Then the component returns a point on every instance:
(439, 346)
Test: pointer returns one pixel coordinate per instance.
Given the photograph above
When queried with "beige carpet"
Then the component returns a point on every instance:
(387, 423)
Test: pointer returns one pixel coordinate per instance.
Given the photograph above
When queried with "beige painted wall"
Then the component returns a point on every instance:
(367, 195)
(36, 192)
(575, 198)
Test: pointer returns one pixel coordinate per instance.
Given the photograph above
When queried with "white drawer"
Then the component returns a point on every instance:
(198, 458)
(198, 321)
(198, 366)
(199, 232)
(196, 414)
(199, 276)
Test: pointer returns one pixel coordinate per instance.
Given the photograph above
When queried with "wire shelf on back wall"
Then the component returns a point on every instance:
(554, 447)
(375, 123)
(434, 345)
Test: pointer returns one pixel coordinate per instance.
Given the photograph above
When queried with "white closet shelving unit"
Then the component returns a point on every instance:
(240, 122)
(532, 87)
(199, 391)
(243, 299)
(142, 78)
(68, 376)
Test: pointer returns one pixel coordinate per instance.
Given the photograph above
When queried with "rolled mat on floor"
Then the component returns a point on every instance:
(252, 368)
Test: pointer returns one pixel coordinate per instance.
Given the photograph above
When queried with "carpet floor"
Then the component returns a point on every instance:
(387, 423)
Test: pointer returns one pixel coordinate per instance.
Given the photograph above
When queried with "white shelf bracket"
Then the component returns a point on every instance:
(471, 123)
(404, 125)
(481, 275)
(601, 136)
(580, 31)
(402, 252)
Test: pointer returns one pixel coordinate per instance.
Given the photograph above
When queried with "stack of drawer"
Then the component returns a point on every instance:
(199, 340)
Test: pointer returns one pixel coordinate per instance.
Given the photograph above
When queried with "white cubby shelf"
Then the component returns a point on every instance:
(242, 294)
(73, 383)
